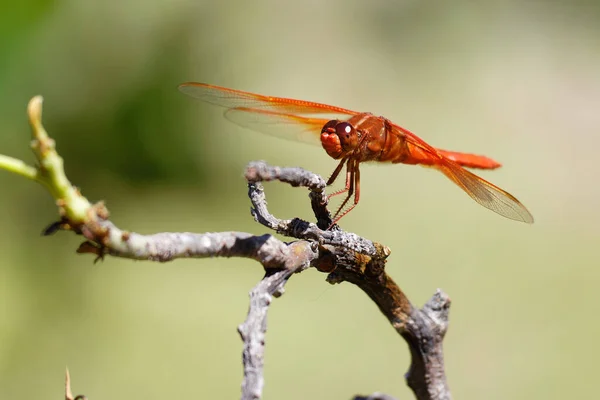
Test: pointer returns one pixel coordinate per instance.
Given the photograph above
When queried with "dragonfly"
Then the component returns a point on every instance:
(354, 137)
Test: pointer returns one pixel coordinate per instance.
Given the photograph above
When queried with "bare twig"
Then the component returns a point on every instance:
(344, 256)
(104, 238)
(253, 330)
(423, 329)
(362, 262)
(260, 171)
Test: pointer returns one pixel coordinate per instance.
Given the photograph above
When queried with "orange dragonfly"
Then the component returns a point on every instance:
(354, 137)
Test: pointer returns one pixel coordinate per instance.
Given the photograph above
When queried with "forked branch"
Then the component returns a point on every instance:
(342, 255)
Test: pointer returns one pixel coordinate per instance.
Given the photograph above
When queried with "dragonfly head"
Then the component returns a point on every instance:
(338, 138)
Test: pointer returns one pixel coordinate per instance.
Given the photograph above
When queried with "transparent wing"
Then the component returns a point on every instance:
(485, 193)
(231, 98)
(285, 126)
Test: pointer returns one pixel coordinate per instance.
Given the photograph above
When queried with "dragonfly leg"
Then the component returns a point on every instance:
(336, 173)
(350, 191)
(353, 184)
(357, 186)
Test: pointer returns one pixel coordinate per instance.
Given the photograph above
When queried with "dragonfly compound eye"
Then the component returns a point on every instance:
(347, 135)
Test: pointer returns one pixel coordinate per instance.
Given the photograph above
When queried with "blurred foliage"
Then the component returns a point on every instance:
(517, 81)
(16, 20)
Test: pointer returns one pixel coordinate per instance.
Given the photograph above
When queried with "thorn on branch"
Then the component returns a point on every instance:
(92, 248)
(68, 393)
(54, 227)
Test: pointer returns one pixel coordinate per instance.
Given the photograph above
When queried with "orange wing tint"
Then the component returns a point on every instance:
(488, 195)
(231, 98)
(275, 116)
(285, 126)
(485, 193)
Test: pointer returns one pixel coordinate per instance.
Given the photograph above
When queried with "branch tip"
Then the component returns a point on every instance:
(68, 393)
(34, 110)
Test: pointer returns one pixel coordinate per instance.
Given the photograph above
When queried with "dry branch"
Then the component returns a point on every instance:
(253, 330)
(344, 256)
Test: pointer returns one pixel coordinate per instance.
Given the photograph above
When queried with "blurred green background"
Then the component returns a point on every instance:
(518, 81)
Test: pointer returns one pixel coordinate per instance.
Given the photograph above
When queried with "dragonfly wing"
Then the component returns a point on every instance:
(285, 126)
(485, 193)
(231, 98)
(480, 190)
